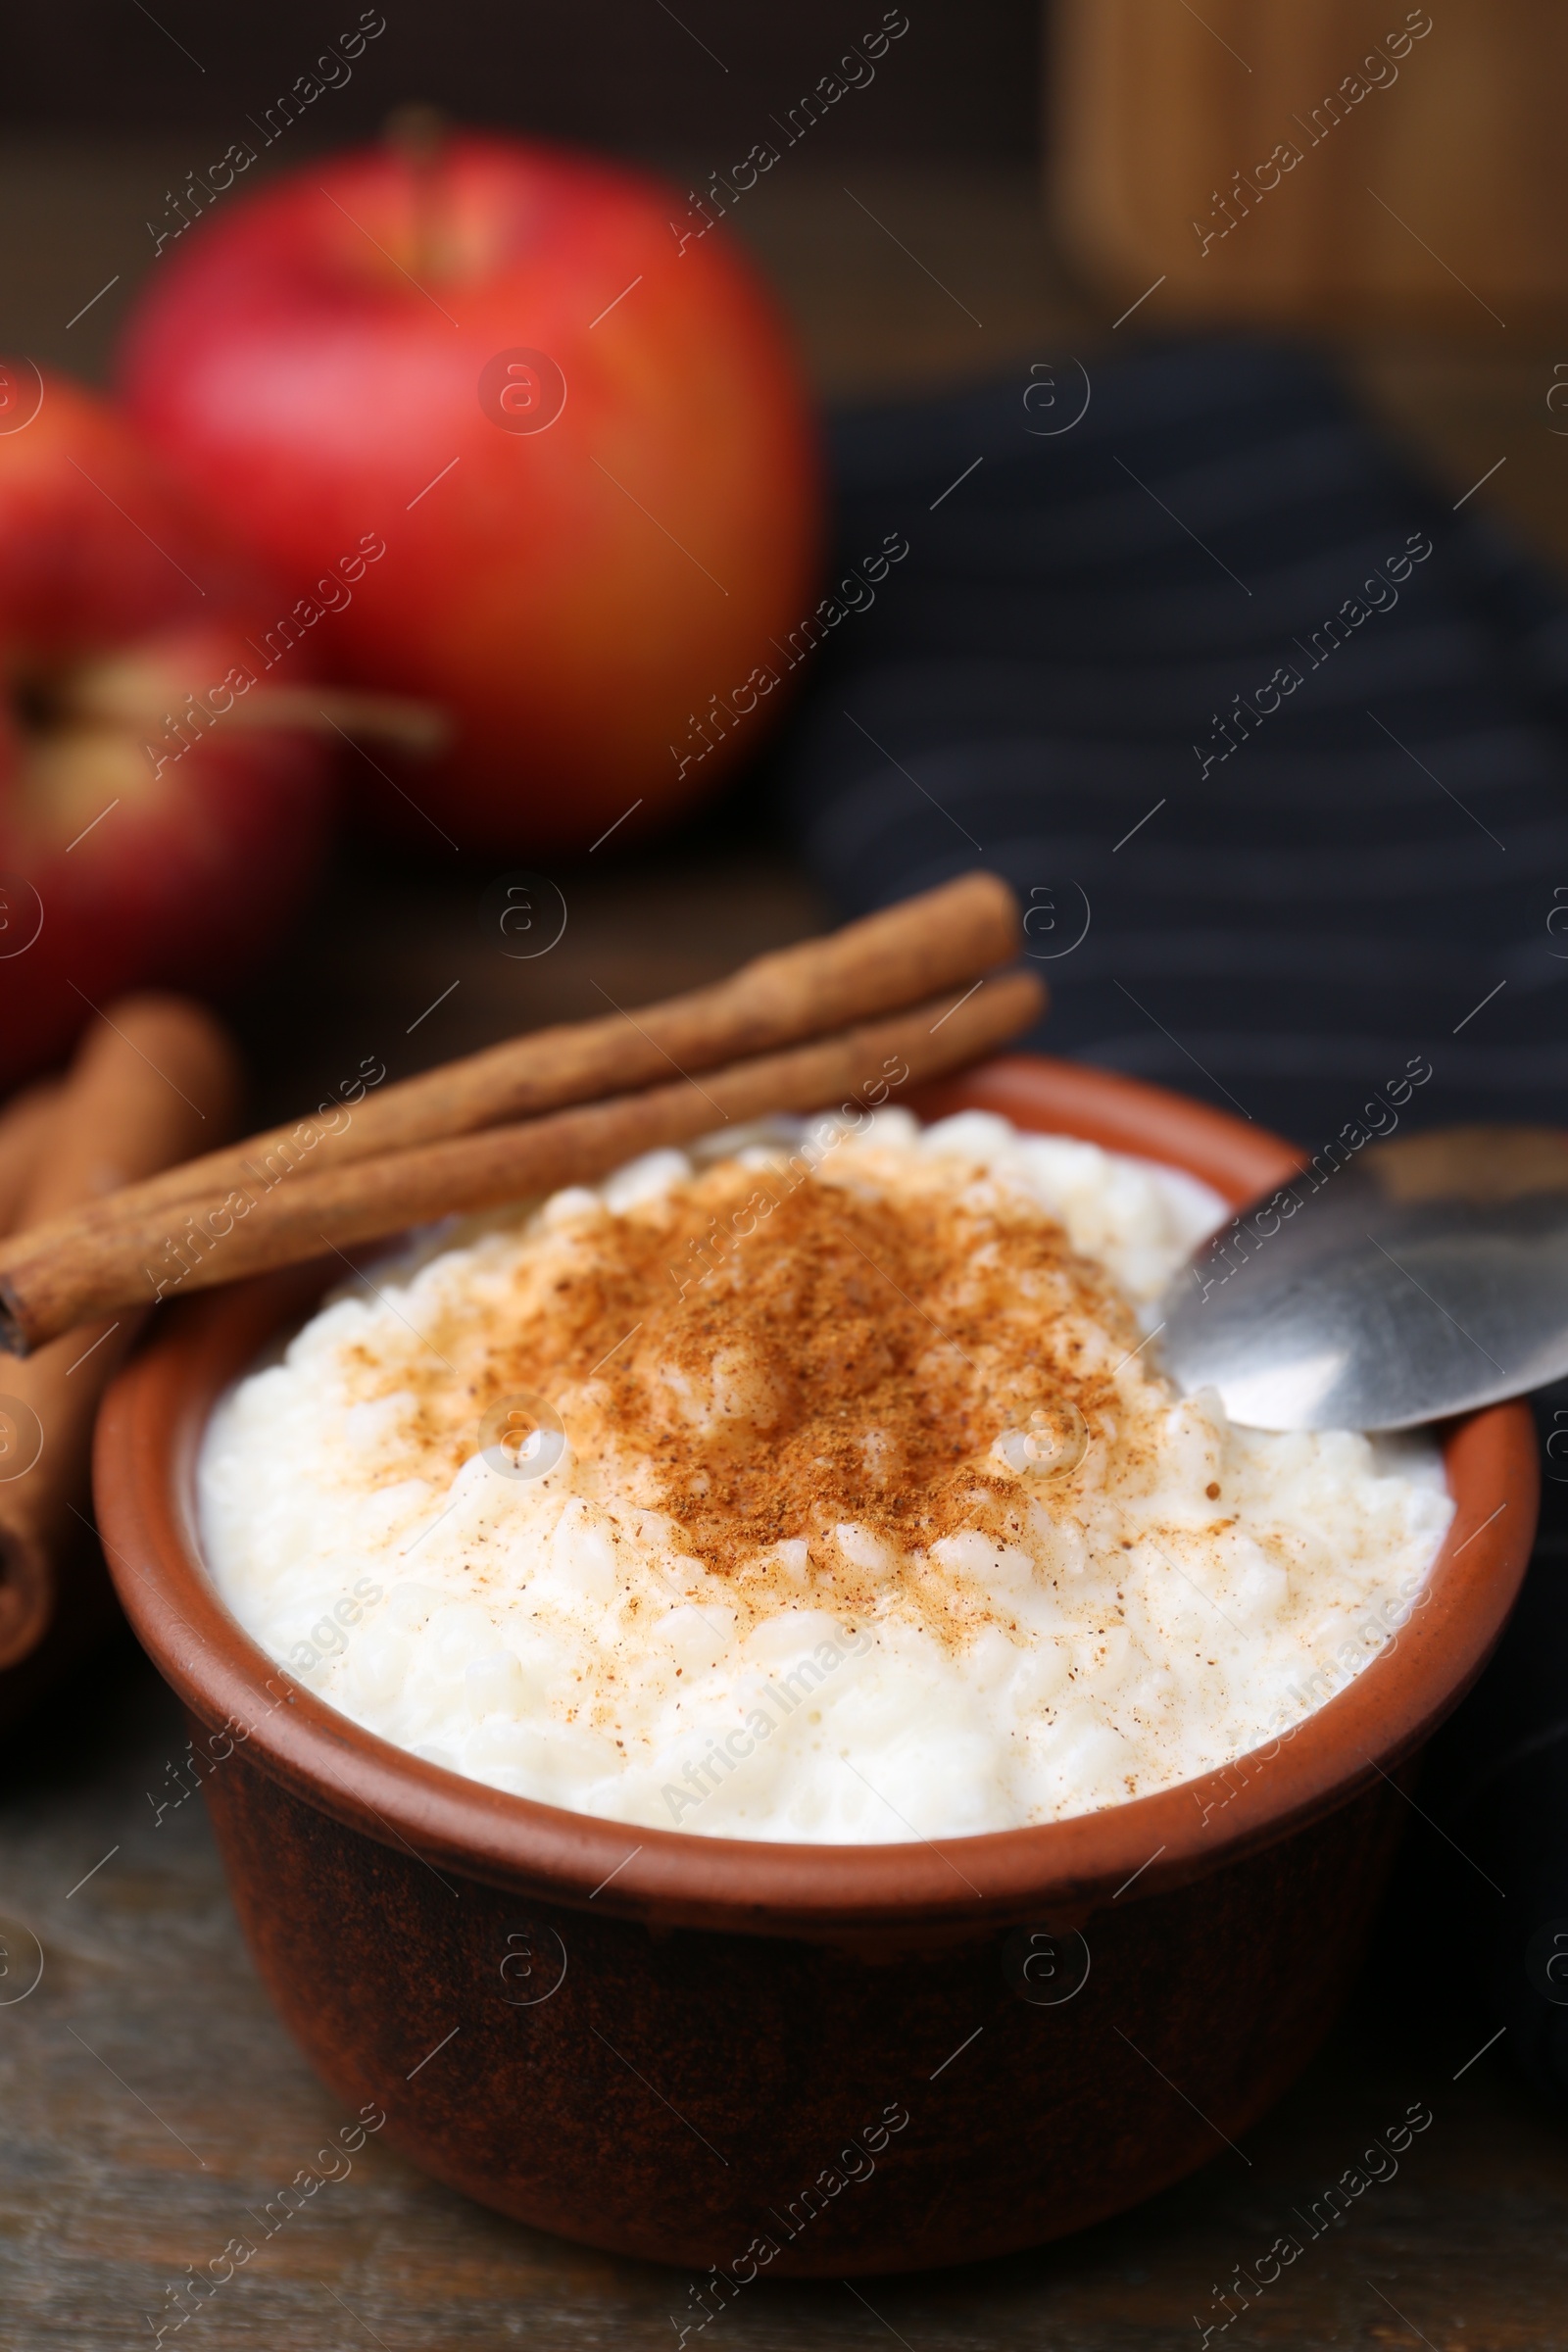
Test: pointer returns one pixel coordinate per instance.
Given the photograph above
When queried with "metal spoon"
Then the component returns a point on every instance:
(1422, 1277)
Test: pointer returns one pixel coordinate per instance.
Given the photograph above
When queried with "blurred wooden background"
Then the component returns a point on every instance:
(1339, 164)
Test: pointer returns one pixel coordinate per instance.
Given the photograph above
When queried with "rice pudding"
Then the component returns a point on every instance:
(821, 1486)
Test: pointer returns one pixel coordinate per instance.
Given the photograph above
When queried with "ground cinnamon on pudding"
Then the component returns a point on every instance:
(801, 1570)
(846, 1363)
(859, 1354)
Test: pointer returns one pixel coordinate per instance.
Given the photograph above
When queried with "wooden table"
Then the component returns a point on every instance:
(150, 2097)
(153, 2104)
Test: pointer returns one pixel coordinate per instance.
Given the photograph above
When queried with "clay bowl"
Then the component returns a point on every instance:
(754, 2058)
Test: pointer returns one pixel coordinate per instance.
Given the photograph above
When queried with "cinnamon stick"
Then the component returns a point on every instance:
(942, 938)
(151, 1080)
(50, 1284)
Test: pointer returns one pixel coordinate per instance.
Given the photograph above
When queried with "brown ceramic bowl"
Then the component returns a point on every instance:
(798, 2058)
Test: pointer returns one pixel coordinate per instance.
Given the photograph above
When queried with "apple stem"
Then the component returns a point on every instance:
(419, 135)
(131, 698)
(411, 726)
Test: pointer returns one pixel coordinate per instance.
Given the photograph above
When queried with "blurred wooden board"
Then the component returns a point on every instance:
(1257, 160)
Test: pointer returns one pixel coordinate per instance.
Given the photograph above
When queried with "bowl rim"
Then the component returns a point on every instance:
(151, 1425)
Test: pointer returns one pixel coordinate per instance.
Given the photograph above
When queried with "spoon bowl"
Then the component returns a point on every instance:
(1424, 1277)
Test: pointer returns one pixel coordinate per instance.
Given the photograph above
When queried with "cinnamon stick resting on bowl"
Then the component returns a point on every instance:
(234, 1214)
(942, 939)
(220, 1237)
(149, 1082)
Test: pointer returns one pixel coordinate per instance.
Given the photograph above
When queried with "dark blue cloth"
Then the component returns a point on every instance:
(1280, 909)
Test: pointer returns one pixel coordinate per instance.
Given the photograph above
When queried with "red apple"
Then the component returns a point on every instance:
(148, 833)
(586, 445)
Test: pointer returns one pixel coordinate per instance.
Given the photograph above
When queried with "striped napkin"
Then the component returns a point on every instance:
(1263, 730)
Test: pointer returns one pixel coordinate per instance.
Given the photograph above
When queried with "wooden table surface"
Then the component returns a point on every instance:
(150, 2097)
(153, 2104)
